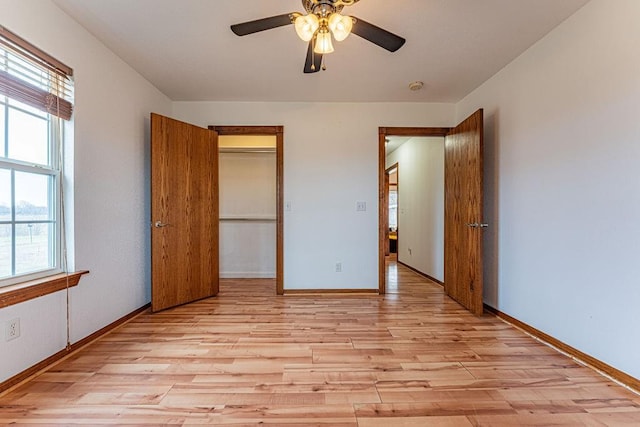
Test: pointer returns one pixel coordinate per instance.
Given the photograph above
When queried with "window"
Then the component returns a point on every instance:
(29, 191)
(34, 99)
(393, 209)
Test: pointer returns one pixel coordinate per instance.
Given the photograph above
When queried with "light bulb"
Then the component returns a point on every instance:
(323, 42)
(306, 26)
(340, 26)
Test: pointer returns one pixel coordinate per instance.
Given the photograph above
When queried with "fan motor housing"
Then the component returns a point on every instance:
(334, 5)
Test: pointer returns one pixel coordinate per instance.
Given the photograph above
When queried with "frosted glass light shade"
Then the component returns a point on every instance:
(323, 42)
(340, 26)
(306, 26)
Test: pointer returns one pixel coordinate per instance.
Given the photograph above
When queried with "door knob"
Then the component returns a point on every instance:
(159, 224)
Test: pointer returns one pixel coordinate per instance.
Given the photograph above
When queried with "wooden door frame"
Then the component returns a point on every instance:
(278, 132)
(383, 133)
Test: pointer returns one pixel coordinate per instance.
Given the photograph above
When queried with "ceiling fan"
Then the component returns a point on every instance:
(322, 21)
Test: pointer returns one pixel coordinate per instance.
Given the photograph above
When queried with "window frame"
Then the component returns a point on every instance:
(55, 141)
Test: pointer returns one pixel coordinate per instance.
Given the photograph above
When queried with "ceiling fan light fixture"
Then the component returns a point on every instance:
(321, 23)
(340, 26)
(306, 26)
(323, 42)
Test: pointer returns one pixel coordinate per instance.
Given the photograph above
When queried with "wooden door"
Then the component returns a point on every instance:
(184, 213)
(463, 213)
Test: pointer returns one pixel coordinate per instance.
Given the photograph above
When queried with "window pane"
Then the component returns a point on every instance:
(5, 250)
(393, 209)
(28, 108)
(28, 138)
(34, 247)
(5, 195)
(32, 196)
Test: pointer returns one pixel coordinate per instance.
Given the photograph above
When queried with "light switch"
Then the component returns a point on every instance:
(287, 206)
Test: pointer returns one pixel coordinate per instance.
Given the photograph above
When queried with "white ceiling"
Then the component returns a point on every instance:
(392, 143)
(186, 49)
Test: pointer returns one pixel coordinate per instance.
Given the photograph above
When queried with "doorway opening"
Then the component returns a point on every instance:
(462, 200)
(251, 201)
(418, 248)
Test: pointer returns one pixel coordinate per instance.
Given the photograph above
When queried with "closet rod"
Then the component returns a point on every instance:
(247, 219)
(246, 150)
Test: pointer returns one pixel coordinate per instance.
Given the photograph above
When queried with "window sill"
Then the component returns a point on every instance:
(25, 291)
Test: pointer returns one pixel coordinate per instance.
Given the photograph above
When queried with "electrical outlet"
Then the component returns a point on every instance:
(361, 206)
(13, 329)
(338, 267)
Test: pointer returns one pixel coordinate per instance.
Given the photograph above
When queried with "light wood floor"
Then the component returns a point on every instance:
(410, 358)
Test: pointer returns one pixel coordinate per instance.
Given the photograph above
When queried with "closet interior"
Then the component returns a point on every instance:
(247, 180)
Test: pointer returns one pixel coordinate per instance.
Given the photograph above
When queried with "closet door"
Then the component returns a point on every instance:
(184, 213)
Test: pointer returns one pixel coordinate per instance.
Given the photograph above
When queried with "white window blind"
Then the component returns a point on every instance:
(31, 76)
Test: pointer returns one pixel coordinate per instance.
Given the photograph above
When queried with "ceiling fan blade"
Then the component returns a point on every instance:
(261, 24)
(377, 35)
(314, 60)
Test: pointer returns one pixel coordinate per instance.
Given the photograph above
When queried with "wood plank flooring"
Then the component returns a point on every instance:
(410, 358)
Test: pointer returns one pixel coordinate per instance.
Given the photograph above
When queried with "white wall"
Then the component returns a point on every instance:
(563, 183)
(330, 163)
(247, 190)
(110, 191)
(421, 204)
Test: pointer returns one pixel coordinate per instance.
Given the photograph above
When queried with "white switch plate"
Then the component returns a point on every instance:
(287, 206)
(361, 206)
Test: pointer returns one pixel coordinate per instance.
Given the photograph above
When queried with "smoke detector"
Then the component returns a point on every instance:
(416, 86)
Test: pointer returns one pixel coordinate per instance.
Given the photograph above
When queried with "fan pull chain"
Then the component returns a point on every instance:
(63, 230)
(324, 66)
